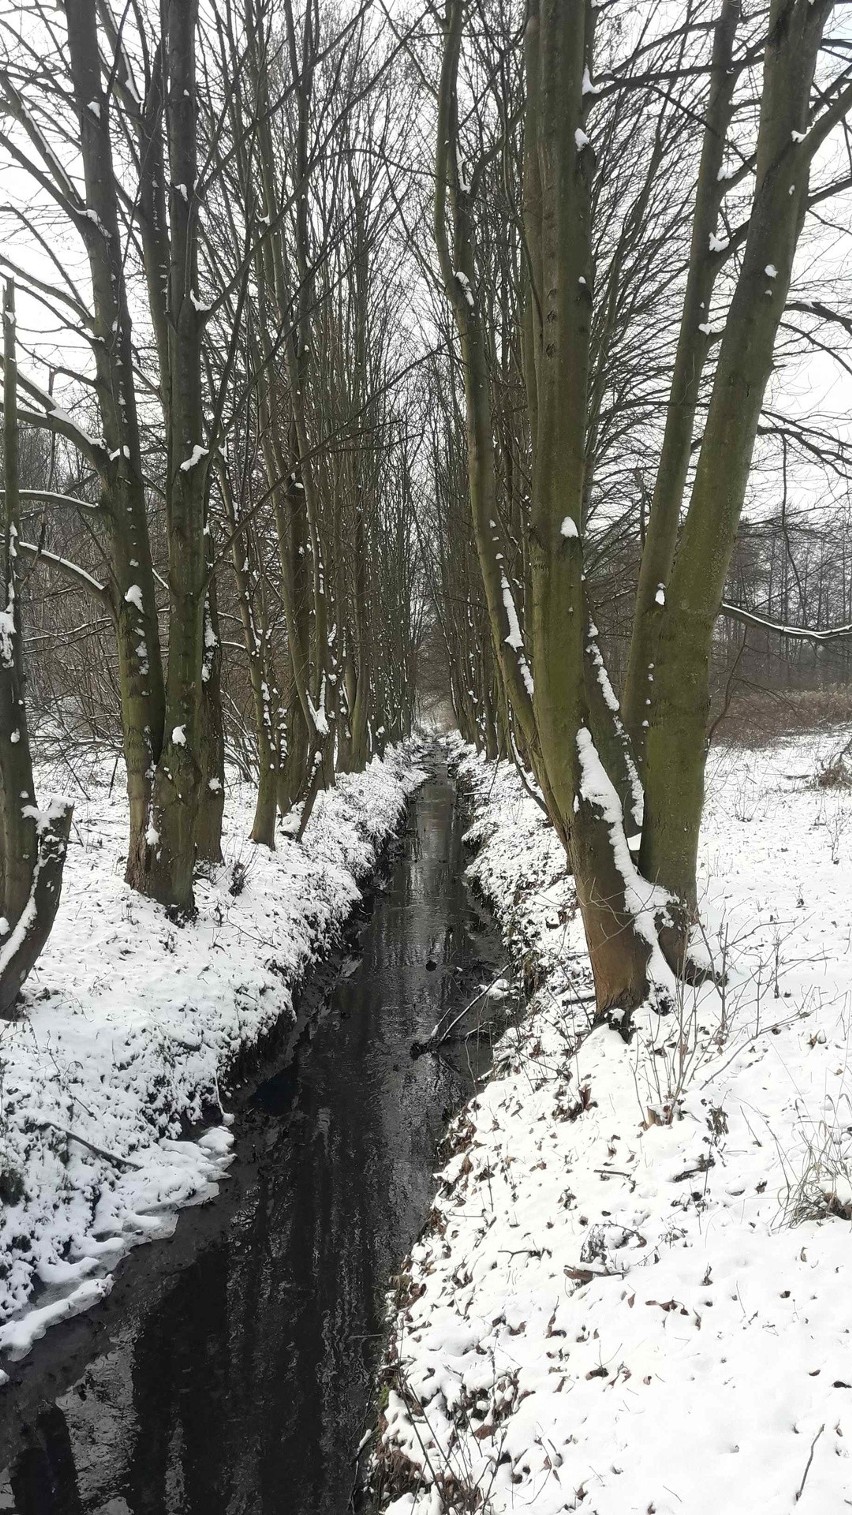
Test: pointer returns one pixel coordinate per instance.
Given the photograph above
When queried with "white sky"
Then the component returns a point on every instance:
(819, 385)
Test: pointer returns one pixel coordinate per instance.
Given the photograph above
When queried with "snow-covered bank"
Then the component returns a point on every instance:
(614, 1311)
(131, 1023)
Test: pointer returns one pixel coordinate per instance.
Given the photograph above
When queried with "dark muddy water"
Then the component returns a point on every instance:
(230, 1369)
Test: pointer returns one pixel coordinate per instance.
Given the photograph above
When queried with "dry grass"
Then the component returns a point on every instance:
(835, 775)
(761, 717)
(821, 1185)
(837, 772)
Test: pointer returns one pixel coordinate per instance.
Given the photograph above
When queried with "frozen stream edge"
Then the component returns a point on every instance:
(131, 1025)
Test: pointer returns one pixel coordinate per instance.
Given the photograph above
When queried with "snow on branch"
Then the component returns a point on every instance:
(55, 179)
(56, 418)
(796, 633)
(73, 571)
(51, 497)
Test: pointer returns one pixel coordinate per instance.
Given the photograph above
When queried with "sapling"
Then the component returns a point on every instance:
(34, 841)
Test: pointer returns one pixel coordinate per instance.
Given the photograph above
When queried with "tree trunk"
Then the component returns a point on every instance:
(132, 574)
(178, 778)
(256, 645)
(293, 776)
(566, 661)
(690, 359)
(23, 946)
(677, 733)
(211, 806)
(33, 843)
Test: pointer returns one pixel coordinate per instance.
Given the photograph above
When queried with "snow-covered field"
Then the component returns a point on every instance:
(614, 1311)
(131, 1022)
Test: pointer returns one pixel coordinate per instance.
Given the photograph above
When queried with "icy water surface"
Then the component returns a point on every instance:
(230, 1369)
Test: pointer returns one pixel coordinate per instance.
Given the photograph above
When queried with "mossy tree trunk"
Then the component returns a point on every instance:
(261, 678)
(178, 776)
(552, 712)
(211, 805)
(693, 348)
(132, 585)
(455, 242)
(567, 720)
(677, 733)
(167, 751)
(566, 660)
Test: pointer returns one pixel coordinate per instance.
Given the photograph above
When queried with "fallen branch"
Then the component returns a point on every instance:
(584, 1274)
(434, 1040)
(809, 1461)
(110, 1157)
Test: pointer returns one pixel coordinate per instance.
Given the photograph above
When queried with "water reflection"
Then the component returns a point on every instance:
(44, 1476)
(244, 1384)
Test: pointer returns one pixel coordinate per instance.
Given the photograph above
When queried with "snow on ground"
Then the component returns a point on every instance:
(132, 1021)
(614, 1313)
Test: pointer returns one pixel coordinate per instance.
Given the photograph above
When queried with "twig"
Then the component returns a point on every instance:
(433, 1040)
(809, 1461)
(584, 1274)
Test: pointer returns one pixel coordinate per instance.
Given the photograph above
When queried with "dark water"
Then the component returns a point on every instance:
(230, 1369)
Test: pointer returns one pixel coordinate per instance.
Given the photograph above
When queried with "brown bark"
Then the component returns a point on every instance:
(132, 587)
(33, 843)
(178, 776)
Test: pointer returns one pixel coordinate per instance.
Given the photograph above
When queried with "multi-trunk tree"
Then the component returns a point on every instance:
(607, 768)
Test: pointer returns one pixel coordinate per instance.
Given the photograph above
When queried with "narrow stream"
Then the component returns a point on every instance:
(230, 1369)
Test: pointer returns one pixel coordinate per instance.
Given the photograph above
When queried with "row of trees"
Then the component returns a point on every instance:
(214, 498)
(636, 219)
(489, 315)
